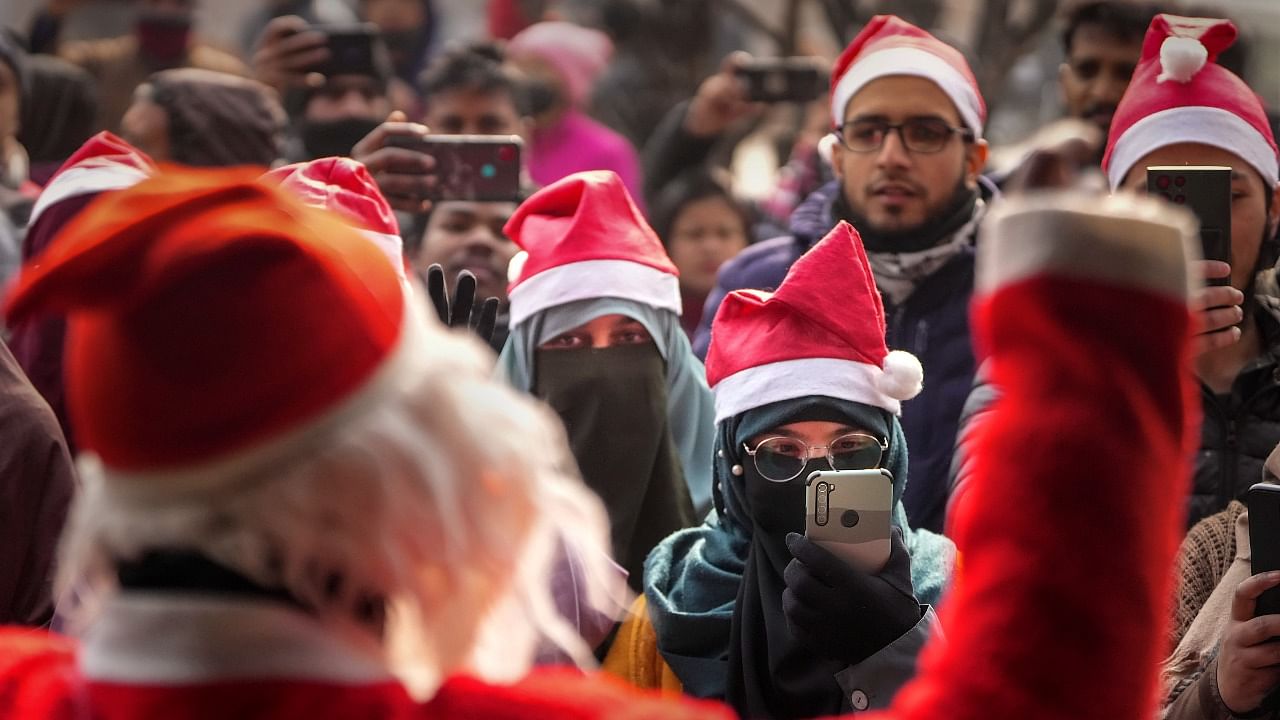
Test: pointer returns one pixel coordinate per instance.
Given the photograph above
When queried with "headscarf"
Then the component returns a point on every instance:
(218, 120)
(708, 585)
(690, 407)
(577, 54)
(59, 106)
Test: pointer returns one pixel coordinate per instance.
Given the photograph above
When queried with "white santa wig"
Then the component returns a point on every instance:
(440, 490)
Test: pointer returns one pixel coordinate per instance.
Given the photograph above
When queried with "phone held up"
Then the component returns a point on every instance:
(1264, 540)
(778, 80)
(849, 512)
(356, 49)
(1206, 191)
(478, 168)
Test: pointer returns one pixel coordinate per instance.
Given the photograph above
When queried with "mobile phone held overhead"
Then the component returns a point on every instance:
(777, 80)
(477, 168)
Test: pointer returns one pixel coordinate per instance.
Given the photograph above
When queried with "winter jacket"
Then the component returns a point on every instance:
(1238, 432)
(932, 324)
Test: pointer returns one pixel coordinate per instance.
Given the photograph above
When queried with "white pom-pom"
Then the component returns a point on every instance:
(1181, 58)
(903, 377)
(516, 265)
(825, 147)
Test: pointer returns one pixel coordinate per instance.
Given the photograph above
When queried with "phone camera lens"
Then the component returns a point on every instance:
(1162, 182)
(849, 518)
(1181, 199)
(488, 170)
(1179, 181)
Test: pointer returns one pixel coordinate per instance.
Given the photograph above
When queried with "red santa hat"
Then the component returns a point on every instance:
(821, 333)
(104, 162)
(583, 237)
(345, 186)
(1180, 94)
(212, 319)
(889, 45)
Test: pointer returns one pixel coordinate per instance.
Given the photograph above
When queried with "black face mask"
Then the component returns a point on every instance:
(613, 403)
(541, 96)
(327, 138)
(777, 508)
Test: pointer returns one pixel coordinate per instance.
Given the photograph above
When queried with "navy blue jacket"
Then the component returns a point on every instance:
(932, 324)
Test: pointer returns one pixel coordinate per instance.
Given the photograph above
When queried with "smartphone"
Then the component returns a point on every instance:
(848, 512)
(356, 49)
(1264, 540)
(481, 168)
(1206, 190)
(777, 80)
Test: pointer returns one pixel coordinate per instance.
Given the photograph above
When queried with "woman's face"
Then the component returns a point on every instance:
(602, 332)
(705, 234)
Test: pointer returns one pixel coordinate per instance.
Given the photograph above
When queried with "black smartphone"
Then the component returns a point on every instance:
(1264, 540)
(356, 49)
(483, 168)
(778, 80)
(1206, 190)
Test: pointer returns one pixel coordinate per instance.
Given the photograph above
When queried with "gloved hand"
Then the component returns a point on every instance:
(840, 612)
(462, 312)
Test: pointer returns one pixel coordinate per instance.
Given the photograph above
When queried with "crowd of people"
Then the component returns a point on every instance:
(289, 433)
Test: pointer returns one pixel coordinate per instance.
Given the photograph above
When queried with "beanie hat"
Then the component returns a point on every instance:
(821, 333)
(1180, 94)
(583, 238)
(889, 45)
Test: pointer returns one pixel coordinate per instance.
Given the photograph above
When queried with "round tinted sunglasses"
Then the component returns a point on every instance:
(780, 459)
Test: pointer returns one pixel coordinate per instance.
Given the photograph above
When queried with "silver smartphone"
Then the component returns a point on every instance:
(848, 512)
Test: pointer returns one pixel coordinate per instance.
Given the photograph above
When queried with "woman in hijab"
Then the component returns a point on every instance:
(595, 332)
(562, 61)
(745, 608)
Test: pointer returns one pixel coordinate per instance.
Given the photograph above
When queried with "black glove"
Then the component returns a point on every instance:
(462, 312)
(840, 612)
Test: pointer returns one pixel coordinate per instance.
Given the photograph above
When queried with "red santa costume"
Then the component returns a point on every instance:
(301, 498)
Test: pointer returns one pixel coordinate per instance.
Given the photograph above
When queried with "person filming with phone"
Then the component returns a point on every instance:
(746, 608)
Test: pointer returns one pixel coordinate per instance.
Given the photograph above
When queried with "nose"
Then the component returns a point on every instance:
(353, 104)
(893, 153)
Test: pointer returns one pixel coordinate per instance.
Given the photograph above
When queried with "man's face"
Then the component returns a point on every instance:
(349, 96)
(1096, 72)
(1249, 219)
(9, 99)
(467, 112)
(893, 188)
(468, 236)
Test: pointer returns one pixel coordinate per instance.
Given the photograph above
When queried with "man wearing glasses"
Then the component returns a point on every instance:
(907, 151)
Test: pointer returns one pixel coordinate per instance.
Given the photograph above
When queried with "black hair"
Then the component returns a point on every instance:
(477, 67)
(1124, 21)
(696, 184)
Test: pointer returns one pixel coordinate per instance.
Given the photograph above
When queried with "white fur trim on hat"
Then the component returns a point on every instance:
(1181, 58)
(1198, 124)
(1128, 240)
(591, 279)
(392, 245)
(791, 379)
(516, 266)
(82, 181)
(915, 62)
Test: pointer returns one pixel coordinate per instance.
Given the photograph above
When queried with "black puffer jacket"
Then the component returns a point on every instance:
(1238, 433)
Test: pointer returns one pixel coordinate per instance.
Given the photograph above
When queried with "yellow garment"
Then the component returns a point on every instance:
(634, 656)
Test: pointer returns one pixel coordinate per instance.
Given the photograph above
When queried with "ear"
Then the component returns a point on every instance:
(837, 160)
(1273, 217)
(975, 159)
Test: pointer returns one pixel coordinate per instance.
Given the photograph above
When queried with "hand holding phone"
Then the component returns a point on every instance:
(848, 512)
(778, 80)
(478, 168)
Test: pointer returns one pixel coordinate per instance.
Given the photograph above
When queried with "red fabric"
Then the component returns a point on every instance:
(826, 307)
(105, 150)
(39, 681)
(1213, 86)
(342, 185)
(886, 31)
(586, 216)
(1070, 535)
(159, 279)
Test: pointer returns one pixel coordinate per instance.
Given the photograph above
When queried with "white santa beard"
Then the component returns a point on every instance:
(446, 498)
